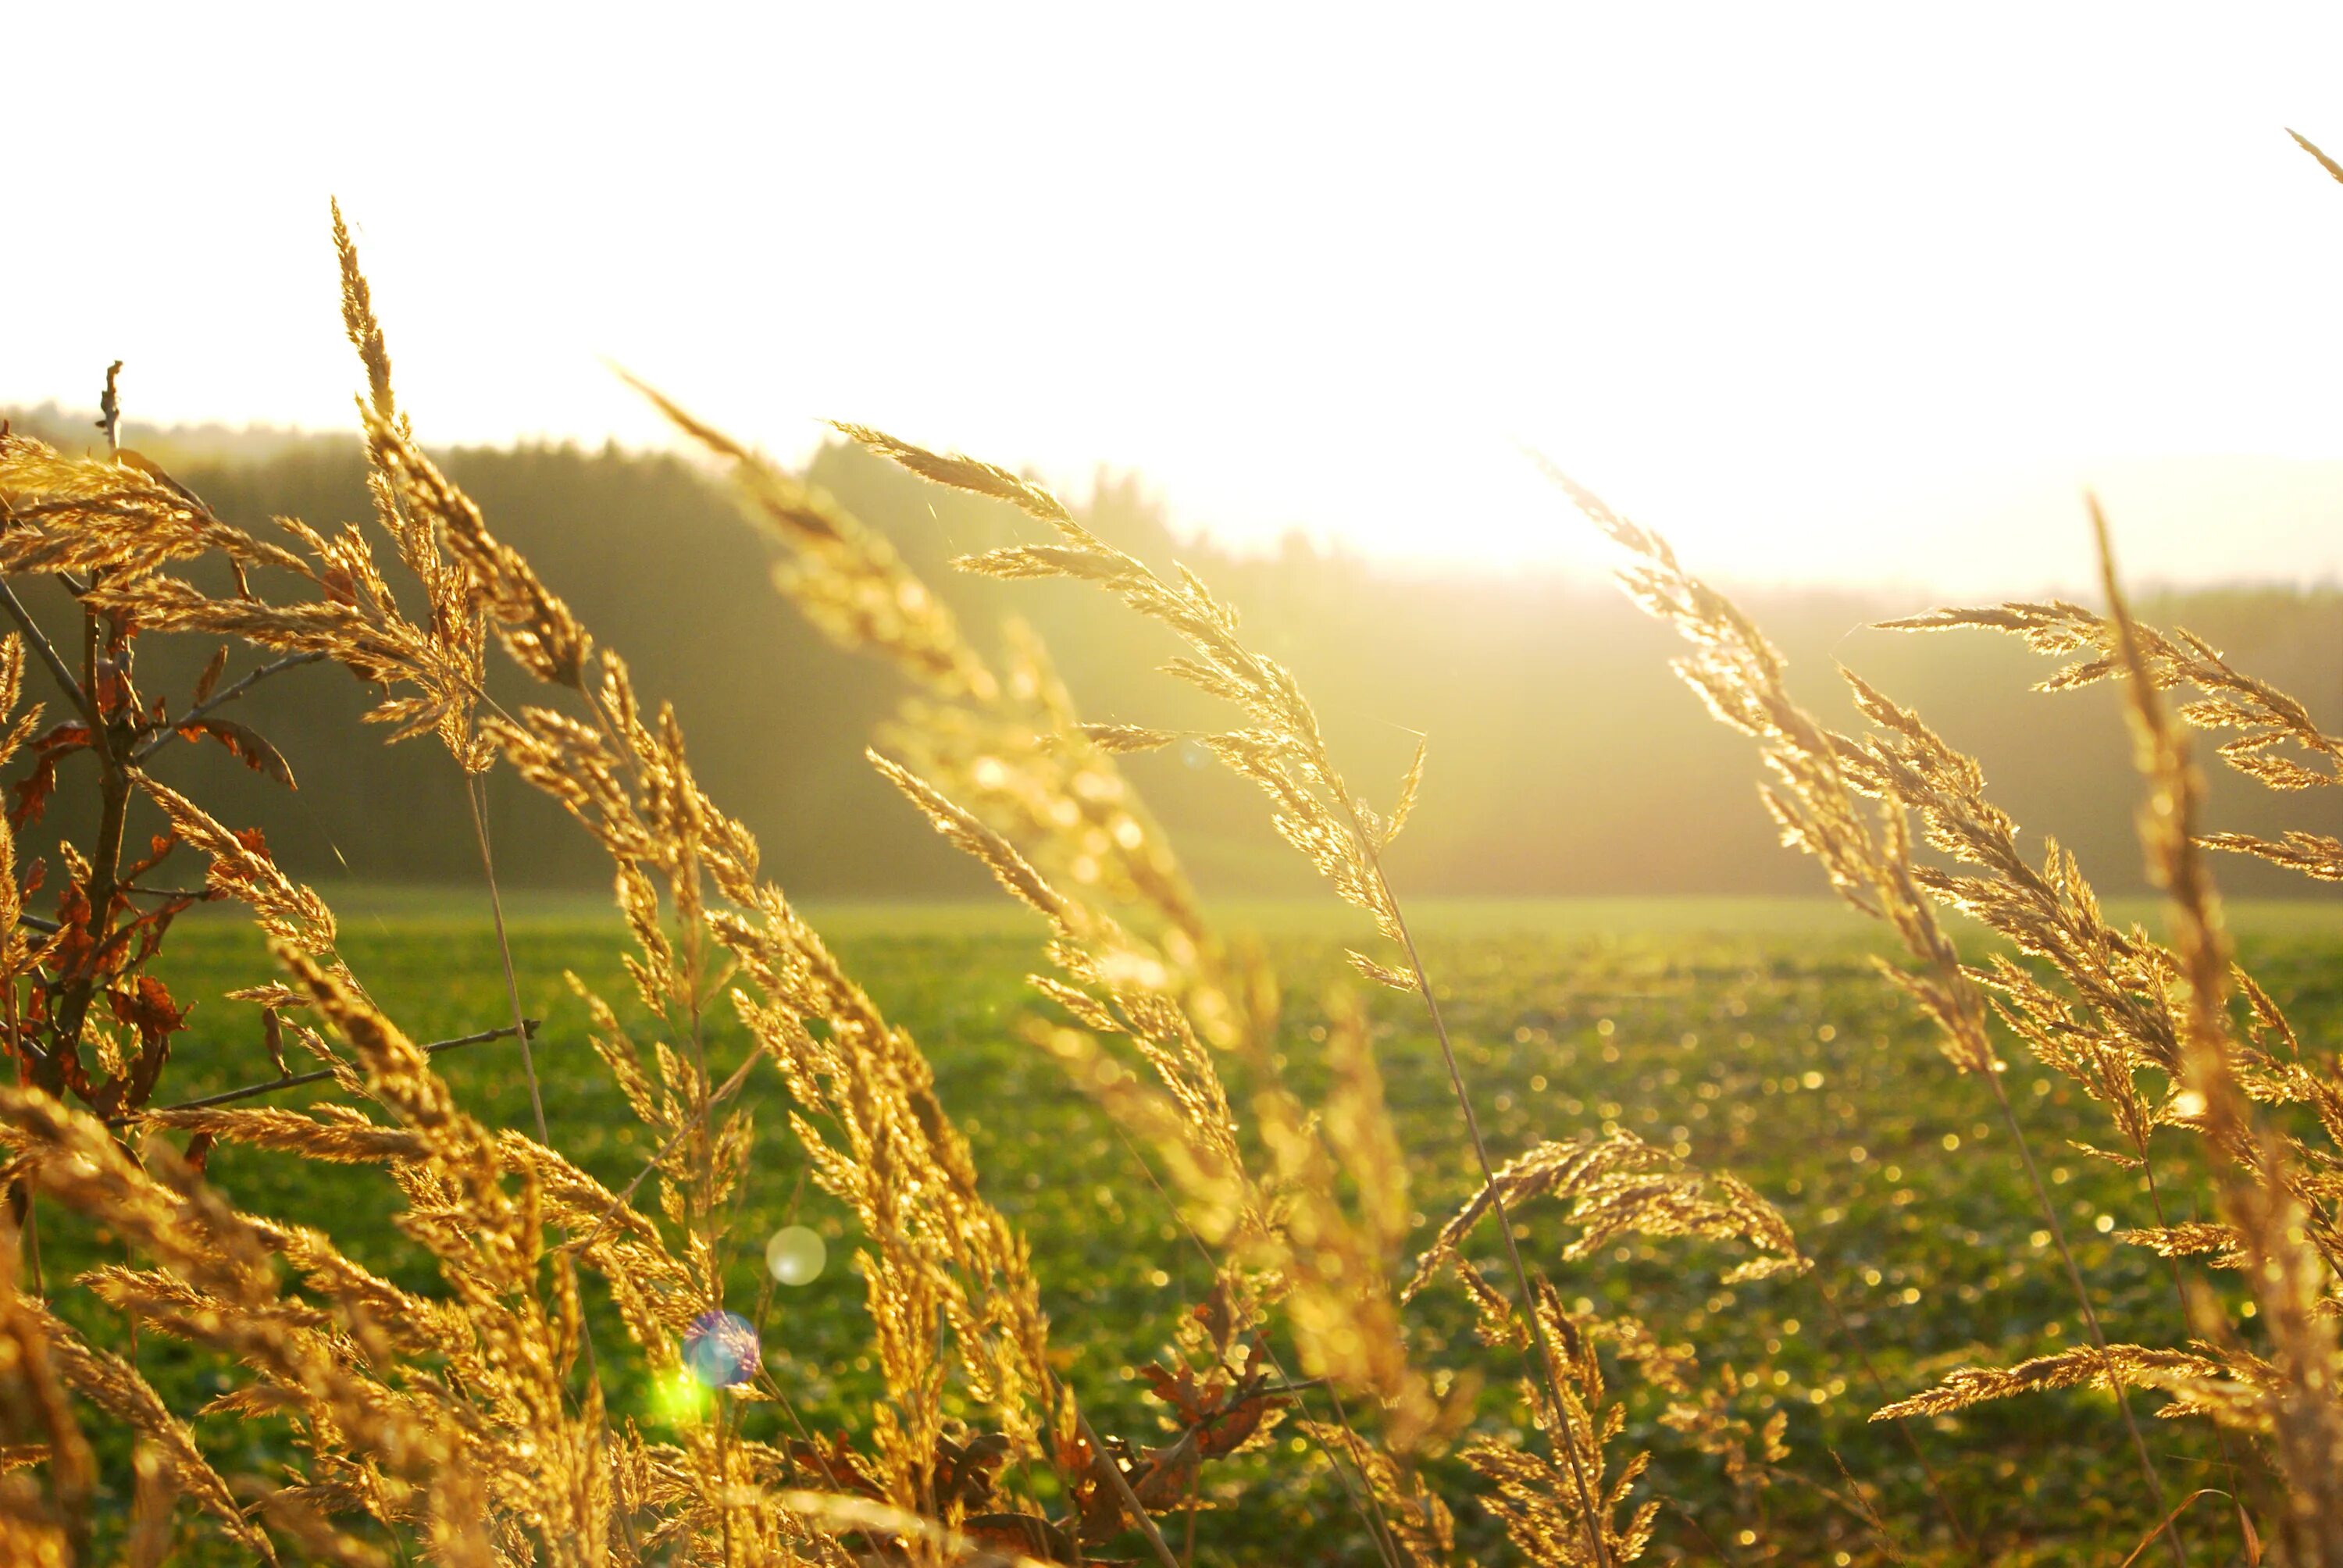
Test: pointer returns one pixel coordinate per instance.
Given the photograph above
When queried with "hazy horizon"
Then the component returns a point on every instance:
(2011, 533)
(1767, 280)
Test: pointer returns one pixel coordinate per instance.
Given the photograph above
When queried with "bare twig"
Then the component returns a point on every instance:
(109, 409)
(295, 1080)
(47, 650)
(170, 732)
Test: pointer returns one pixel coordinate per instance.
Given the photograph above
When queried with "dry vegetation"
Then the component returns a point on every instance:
(468, 1423)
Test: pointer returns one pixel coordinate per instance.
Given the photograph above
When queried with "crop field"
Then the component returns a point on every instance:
(1748, 1036)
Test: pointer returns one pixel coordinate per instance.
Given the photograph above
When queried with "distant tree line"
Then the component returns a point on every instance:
(1565, 758)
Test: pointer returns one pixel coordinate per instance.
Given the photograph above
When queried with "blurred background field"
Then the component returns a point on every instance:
(1565, 758)
(1282, 300)
(1748, 1034)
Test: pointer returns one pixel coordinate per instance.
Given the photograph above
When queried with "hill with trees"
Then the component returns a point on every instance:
(1548, 700)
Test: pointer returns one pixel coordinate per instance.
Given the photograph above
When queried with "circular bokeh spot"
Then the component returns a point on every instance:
(719, 1350)
(796, 1254)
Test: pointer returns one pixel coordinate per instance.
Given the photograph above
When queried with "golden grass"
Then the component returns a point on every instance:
(466, 1425)
(2142, 1029)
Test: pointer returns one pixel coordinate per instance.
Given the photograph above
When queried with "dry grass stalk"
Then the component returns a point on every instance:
(2121, 1005)
(1037, 782)
(503, 1466)
(1283, 751)
(1821, 777)
(2299, 1409)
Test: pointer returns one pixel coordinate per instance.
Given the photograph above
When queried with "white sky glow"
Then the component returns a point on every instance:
(1845, 294)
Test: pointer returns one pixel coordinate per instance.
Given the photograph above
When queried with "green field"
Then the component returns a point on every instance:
(1751, 1034)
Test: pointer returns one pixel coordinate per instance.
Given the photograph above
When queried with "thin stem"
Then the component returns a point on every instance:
(504, 952)
(2090, 1313)
(296, 1080)
(2180, 1297)
(475, 790)
(1104, 1462)
(1879, 1388)
(1386, 1542)
(1539, 1354)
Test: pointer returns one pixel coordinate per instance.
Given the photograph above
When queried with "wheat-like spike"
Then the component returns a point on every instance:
(1009, 868)
(531, 620)
(2081, 1366)
(2264, 716)
(963, 473)
(1821, 776)
(344, 1140)
(114, 1386)
(1120, 739)
(2314, 855)
(2308, 145)
(1383, 974)
(83, 513)
(2191, 1238)
(1410, 786)
(358, 320)
(2289, 1278)
(848, 580)
(1618, 1185)
(411, 509)
(1552, 1520)
(287, 910)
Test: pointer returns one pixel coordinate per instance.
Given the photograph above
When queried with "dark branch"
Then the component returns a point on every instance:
(170, 732)
(109, 408)
(48, 652)
(295, 1080)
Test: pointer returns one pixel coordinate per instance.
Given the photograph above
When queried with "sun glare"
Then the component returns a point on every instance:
(1848, 294)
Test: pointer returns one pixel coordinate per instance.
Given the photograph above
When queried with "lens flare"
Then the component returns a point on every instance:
(721, 1350)
(676, 1400)
(796, 1255)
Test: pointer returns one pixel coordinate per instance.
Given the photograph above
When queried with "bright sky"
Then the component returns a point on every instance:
(1856, 293)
